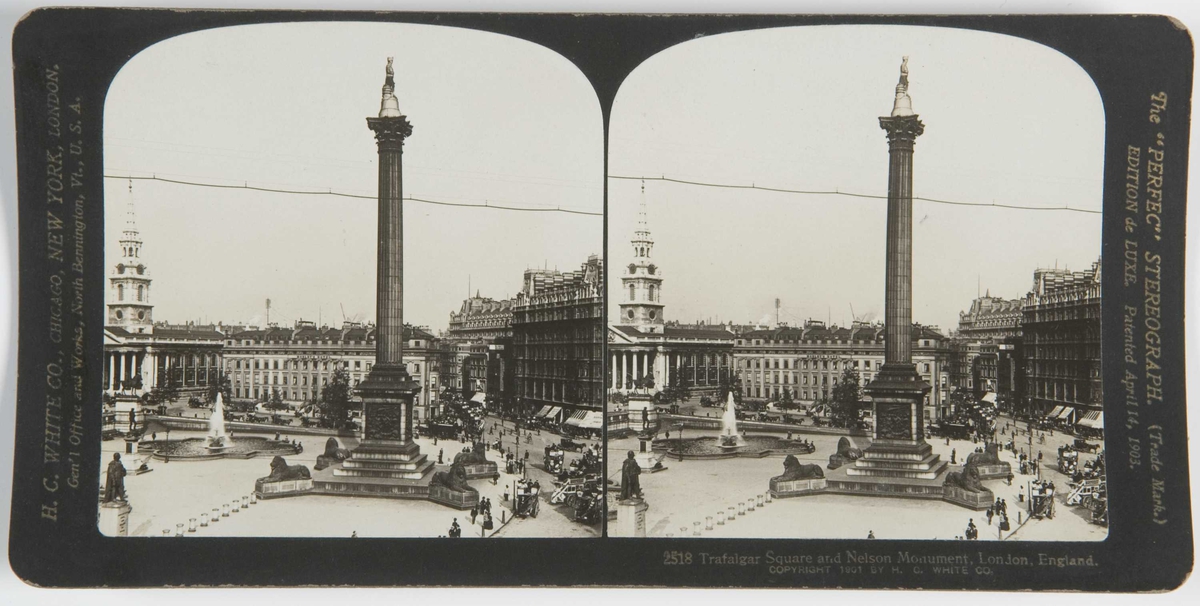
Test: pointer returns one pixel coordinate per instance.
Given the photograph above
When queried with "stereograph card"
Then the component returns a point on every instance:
(607, 300)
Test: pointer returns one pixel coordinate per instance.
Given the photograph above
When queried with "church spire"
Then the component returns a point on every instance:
(131, 241)
(642, 241)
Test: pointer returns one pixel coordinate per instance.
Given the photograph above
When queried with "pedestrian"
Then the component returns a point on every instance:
(474, 512)
(953, 456)
(870, 534)
(354, 534)
(440, 459)
(990, 513)
(1010, 477)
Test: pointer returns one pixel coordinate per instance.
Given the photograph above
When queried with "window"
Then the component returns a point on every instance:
(632, 292)
(120, 292)
(139, 295)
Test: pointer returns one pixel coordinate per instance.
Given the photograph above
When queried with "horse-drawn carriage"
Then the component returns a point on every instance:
(569, 444)
(1068, 460)
(584, 495)
(1082, 445)
(1041, 499)
(527, 501)
(553, 461)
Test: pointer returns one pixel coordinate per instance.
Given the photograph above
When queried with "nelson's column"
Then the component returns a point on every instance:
(387, 450)
(898, 393)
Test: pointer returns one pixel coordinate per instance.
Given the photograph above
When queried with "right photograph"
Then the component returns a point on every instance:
(854, 289)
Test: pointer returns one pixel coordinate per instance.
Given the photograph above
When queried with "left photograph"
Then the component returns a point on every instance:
(354, 288)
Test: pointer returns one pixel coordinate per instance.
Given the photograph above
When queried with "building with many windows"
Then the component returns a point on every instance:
(299, 361)
(808, 362)
(1061, 331)
(477, 349)
(988, 349)
(557, 342)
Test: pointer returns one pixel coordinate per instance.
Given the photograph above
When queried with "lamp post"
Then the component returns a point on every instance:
(167, 447)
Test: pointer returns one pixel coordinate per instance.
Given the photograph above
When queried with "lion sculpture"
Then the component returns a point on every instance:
(967, 479)
(281, 471)
(793, 469)
(455, 479)
(476, 456)
(334, 454)
(846, 453)
(990, 456)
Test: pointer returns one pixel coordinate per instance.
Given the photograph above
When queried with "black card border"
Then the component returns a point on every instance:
(1128, 58)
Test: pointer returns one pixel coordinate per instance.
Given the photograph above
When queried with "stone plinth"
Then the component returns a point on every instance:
(970, 499)
(479, 471)
(631, 518)
(646, 458)
(454, 498)
(997, 471)
(114, 518)
(268, 489)
(639, 402)
(797, 488)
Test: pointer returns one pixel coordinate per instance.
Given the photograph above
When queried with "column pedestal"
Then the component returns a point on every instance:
(114, 518)
(387, 449)
(631, 518)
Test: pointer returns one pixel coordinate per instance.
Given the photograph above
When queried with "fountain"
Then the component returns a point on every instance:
(217, 439)
(729, 438)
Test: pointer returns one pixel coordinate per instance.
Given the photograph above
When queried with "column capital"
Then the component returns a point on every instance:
(902, 131)
(391, 132)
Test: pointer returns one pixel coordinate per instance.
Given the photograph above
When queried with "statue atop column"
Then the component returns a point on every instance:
(390, 106)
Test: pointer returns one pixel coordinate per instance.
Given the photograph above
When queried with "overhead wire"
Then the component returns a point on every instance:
(330, 192)
(848, 194)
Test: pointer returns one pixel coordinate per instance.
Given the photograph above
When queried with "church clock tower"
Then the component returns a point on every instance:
(129, 284)
(641, 281)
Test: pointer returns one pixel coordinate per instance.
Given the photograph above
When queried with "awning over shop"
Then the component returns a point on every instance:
(1066, 412)
(543, 412)
(1093, 419)
(576, 418)
(554, 410)
(989, 397)
(479, 397)
(1054, 412)
(592, 420)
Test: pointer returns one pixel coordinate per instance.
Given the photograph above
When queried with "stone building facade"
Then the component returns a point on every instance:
(1062, 334)
(558, 342)
(300, 361)
(808, 362)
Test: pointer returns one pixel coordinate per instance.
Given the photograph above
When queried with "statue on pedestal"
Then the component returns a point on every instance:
(114, 486)
(631, 486)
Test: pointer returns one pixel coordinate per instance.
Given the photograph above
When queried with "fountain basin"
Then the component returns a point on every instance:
(714, 447)
(198, 449)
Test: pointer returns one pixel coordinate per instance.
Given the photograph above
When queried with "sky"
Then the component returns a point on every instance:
(495, 120)
(1006, 121)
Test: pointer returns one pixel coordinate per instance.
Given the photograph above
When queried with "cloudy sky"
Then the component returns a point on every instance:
(1006, 121)
(496, 120)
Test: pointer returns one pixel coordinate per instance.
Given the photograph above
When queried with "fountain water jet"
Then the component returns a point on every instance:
(729, 437)
(217, 438)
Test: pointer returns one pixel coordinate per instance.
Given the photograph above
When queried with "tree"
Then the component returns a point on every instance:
(335, 400)
(787, 401)
(276, 401)
(220, 384)
(734, 386)
(167, 391)
(846, 400)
